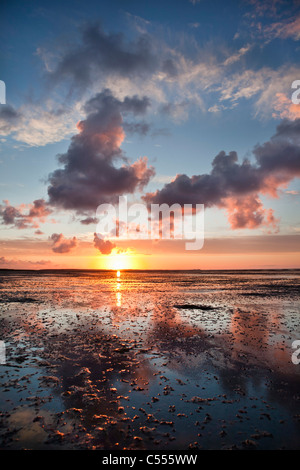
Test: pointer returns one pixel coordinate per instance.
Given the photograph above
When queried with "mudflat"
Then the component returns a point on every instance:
(151, 360)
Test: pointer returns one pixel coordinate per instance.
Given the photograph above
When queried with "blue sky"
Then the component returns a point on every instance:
(214, 76)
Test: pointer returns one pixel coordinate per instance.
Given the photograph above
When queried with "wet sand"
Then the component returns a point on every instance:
(155, 360)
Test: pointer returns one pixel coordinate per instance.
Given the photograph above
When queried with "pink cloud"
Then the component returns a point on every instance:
(287, 29)
(104, 246)
(25, 216)
(248, 212)
(24, 264)
(62, 244)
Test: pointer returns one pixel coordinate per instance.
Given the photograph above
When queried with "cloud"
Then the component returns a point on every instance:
(236, 186)
(37, 212)
(264, 86)
(9, 119)
(293, 192)
(279, 158)
(178, 111)
(176, 81)
(105, 60)
(62, 244)
(89, 220)
(141, 128)
(38, 124)
(163, 179)
(3, 260)
(284, 29)
(92, 172)
(266, 8)
(285, 108)
(166, 74)
(236, 57)
(101, 52)
(248, 212)
(104, 246)
(24, 264)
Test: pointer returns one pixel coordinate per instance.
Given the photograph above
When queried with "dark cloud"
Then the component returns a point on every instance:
(288, 129)
(170, 67)
(226, 178)
(104, 246)
(99, 52)
(9, 214)
(135, 104)
(141, 128)
(89, 220)
(9, 119)
(95, 170)
(25, 217)
(7, 112)
(175, 110)
(62, 244)
(236, 186)
(281, 154)
(105, 103)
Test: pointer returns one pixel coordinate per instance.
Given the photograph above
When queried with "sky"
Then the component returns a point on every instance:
(187, 102)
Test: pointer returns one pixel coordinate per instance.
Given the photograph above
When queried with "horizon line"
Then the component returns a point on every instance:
(153, 269)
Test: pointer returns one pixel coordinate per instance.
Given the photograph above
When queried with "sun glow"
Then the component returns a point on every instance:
(120, 261)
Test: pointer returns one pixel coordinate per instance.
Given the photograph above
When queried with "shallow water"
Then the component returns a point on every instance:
(154, 360)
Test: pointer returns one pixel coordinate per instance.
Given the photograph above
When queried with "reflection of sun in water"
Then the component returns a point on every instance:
(118, 299)
(118, 293)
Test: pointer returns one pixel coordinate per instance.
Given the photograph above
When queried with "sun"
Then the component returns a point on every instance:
(119, 261)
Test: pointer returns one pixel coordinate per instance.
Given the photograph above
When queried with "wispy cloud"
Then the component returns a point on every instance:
(38, 124)
(10, 263)
(177, 82)
(284, 29)
(236, 57)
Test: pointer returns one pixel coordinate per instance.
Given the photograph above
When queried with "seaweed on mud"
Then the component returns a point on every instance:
(195, 307)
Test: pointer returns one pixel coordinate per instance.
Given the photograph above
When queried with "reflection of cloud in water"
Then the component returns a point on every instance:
(31, 432)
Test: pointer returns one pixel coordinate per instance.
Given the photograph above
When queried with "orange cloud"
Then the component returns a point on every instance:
(248, 212)
(285, 108)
